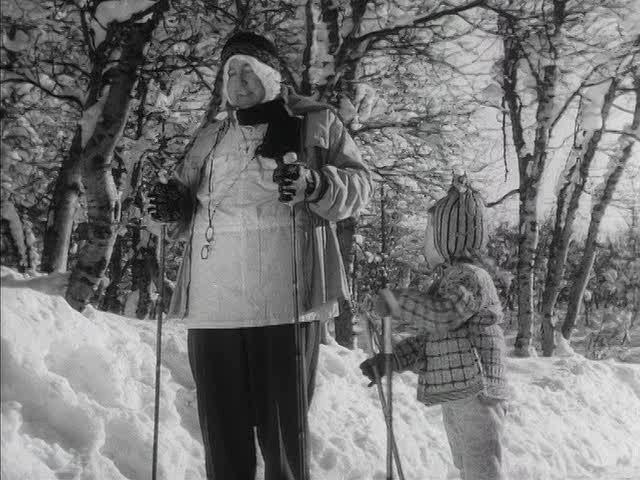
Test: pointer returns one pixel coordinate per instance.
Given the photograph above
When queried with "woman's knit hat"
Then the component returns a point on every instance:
(459, 221)
(247, 43)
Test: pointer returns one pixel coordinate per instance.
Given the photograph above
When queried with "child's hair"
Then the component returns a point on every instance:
(459, 222)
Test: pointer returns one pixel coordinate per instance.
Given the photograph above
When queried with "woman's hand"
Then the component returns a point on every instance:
(296, 182)
(168, 201)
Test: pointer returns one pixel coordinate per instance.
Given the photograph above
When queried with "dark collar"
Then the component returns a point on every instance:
(268, 112)
(283, 129)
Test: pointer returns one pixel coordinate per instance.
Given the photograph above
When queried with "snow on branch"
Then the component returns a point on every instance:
(117, 11)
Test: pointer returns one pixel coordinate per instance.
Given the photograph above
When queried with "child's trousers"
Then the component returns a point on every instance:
(474, 428)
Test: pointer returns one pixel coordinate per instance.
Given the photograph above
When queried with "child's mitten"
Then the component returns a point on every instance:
(375, 362)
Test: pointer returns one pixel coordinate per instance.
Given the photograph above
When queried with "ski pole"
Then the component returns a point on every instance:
(301, 373)
(300, 346)
(156, 409)
(386, 332)
(383, 402)
(387, 351)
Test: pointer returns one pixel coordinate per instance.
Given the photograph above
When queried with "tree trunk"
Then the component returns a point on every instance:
(68, 188)
(531, 165)
(344, 325)
(567, 209)
(383, 221)
(13, 250)
(111, 301)
(146, 267)
(527, 245)
(30, 245)
(63, 208)
(578, 288)
(307, 56)
(102, 197)
(330, 16)
(344, 321)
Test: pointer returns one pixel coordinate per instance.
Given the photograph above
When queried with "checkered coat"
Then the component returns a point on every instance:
(460, 351)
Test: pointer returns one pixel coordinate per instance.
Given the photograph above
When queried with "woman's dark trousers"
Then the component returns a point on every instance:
(246, 378)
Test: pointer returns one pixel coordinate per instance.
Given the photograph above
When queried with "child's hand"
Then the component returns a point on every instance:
(376, 362)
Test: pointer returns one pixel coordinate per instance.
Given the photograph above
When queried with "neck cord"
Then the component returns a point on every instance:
(209, 234)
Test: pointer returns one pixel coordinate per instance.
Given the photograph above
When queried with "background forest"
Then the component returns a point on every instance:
(536, 99)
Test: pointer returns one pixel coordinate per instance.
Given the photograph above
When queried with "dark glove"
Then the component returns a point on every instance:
(169, 201)
(296, 182)
(368, 365)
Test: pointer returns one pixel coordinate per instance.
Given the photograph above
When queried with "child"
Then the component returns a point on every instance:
(459, 351)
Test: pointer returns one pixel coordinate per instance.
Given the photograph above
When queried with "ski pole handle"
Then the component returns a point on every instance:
(387, 347)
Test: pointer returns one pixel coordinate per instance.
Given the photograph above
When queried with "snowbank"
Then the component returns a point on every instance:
(77, 403)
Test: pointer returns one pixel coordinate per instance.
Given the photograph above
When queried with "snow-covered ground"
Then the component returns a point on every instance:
(77, 403)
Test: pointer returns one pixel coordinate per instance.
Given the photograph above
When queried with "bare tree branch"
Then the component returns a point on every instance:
(413, 123)
(503, 198)
(70, 98)
(384, 32)
(622, 109)
(625, 133)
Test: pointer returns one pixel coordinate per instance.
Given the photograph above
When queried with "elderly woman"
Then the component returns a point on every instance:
(232, 197)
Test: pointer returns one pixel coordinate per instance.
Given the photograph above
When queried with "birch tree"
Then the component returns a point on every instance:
(542, 68)
(552, 51)
(586, 144)
(617, 164)
(45, 72)
(103, 127)
(606, 62)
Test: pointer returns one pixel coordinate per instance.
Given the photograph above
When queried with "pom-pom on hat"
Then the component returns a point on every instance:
(459, 220)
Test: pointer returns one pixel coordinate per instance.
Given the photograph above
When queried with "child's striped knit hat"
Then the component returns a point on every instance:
(459, 221)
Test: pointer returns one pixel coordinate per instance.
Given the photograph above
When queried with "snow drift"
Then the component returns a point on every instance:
(77, 403)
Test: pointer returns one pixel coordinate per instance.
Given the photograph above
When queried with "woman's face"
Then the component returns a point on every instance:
(431, 254)
(244, 88)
